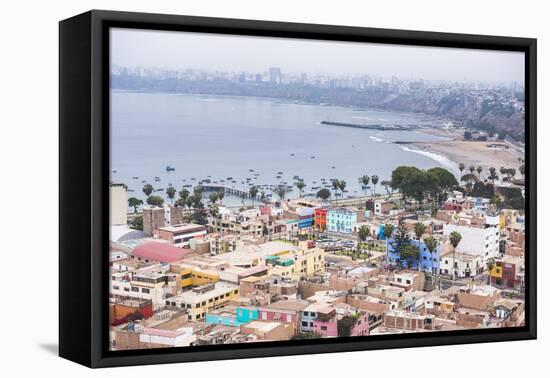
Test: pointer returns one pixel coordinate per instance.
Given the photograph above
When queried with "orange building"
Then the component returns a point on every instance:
(320, 219)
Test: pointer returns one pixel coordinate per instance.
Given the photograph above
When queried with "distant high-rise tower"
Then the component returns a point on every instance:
(275, 75)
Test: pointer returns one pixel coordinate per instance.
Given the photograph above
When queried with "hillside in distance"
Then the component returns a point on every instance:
(491, 110)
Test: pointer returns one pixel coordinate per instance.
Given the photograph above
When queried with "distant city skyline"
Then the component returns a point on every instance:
(171, 50)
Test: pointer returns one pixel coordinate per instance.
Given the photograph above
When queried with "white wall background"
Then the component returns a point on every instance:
(29, 184)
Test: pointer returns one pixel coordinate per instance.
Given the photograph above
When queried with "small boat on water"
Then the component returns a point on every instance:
(312, 157)
(135, 177)
(291, 154)
(170, 169)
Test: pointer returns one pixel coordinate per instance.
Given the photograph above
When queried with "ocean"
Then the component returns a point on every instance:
(239, 141)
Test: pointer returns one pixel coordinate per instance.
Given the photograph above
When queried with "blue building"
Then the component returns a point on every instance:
(241, 316)
(341, 220)
(428, 262)
(246, 315)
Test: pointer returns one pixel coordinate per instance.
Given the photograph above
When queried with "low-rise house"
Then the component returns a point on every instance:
(408, 321)
(200, 300)
(463, 265)
(274, 331)
(180, 235)
(478, 297)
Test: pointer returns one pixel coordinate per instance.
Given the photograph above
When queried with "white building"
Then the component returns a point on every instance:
(482, 241)
(118, 205)
(465, 265)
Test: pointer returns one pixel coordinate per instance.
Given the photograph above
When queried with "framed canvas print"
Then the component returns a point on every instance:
(234, 188)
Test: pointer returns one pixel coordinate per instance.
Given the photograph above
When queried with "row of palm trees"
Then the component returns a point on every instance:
(365, 179)
(510, 173)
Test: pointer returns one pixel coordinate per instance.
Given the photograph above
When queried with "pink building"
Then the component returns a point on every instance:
(329, 327)
(284, 311)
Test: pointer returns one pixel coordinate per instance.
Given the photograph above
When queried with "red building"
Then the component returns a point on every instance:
(320, 219)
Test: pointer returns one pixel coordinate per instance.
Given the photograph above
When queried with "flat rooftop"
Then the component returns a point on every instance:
(183, 227)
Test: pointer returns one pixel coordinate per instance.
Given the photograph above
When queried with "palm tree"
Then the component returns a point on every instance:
(364, 180)
(184, 193)
(454, 238)
(374, 179)
(148, 189)
(221, 194)
(431, 244)
(253, 191)
(490, 265)
(213, 197)
(479, 169)
(135, 203)
(171, 193)
(493, 175)
(300, 185)
(461, 167)
(335, 186)
(472, 169)
(281, 190)
(189, 202)
(419, 229)
(362, 234)
(342, 186)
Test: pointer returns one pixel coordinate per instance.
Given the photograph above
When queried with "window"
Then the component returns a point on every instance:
(323, 328)
(144, 290)
(126, 289)
(304, 324)
(197, 305)
(306, 313)
(115, 287)
(135, 289)
(198, 316)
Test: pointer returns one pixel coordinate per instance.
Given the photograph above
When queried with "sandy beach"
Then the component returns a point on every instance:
(474, 153)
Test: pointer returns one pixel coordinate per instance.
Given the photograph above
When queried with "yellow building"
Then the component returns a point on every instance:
(496, 272)
(284, 258)
(194, 276)
(199, 300)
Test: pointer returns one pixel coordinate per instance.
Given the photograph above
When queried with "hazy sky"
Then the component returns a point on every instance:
(131, 47)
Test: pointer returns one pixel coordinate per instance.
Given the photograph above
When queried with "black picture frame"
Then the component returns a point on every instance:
(84, 196)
